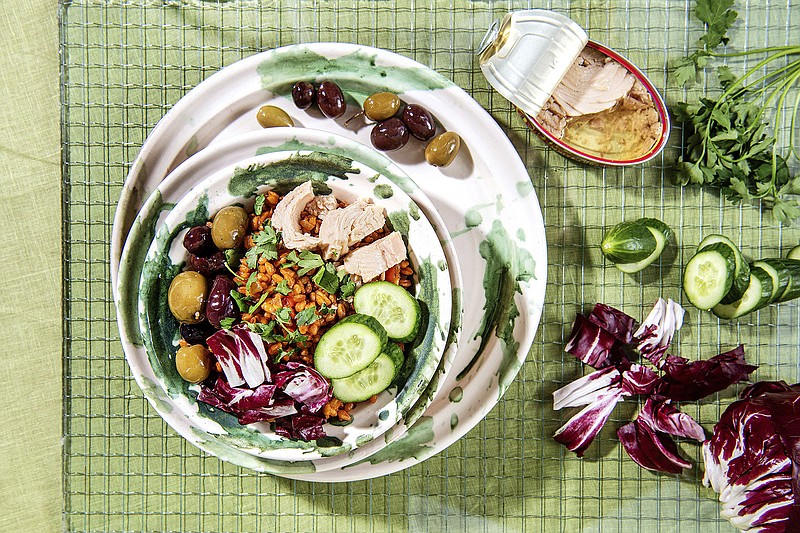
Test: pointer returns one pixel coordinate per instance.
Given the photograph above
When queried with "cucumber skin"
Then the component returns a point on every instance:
(726, 253)
(415, 303)
(628, 242)
(758, 278)
(658, 230)
(741, 276)
(791, 269)
(394, 353)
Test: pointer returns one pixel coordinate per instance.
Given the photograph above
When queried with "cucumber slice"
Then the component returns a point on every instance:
(366, 383)
(794, 253)
(755, 297)
(708, 275)
(392, 306)
(741, 275)
(395, 354)
(781, 278)
(350, 345)
(789, 277)
(633, 245)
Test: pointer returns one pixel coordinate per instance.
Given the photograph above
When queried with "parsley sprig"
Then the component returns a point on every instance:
(728, 143)
(265, 242)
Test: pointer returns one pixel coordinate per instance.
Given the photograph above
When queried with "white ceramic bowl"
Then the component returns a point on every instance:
(349, 179)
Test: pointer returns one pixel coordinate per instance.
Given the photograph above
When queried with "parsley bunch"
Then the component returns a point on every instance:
(728, 144)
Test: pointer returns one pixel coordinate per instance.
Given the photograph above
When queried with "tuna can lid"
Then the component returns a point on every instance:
(525, 56)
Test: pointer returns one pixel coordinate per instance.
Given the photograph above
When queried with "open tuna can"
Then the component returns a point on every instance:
(583, 99)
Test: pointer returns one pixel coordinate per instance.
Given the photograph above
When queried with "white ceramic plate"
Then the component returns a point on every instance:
(485, 198)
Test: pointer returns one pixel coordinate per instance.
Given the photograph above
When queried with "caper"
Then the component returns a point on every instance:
(228, 227)
(381, 106)
(442, 149)
(193, 363)
(270, 116)
(187, 296)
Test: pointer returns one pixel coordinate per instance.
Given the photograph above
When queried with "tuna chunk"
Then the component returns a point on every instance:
(321, 205)
(344, 227)
(286, 218)
(374, 259)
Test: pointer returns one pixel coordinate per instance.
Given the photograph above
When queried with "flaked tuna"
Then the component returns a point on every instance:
(342, 228)
(372, 260)
(286, 218)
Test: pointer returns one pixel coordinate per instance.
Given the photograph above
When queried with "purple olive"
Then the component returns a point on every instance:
(330, 100)
(389, 135)
(419, 121)
(303, 94)
(213, 264)
(196, 333)
(198, 241)
(220, 304)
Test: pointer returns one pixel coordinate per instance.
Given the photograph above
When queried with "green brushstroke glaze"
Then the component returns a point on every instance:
(337, 422)
(141, 235)
(413, 210)
(357, 74)
(456, 394)
(288, 173)
(400, 222)
(472, 218)
(363, 439)
(383, 415)
(521, 234)
(374, 178)
(498, 204)
(524, 188)
(506, 266)
(246, 460)
(353, 151)
(192, 146)
(383, 191)
(442, 265)
(453, 421)
(416, 443)
(155, 394)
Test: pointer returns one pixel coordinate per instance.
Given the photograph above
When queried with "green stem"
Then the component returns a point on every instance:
(791, 49)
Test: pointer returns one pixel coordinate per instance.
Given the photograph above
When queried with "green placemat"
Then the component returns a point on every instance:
(126, 63)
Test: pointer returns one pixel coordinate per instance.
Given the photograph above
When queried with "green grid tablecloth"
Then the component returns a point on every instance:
(126, 63)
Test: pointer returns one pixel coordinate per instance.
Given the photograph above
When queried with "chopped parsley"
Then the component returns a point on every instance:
(306, 261)
(283, 288)
(325, 310)
(227, 323)
(241, 301)
(326, 278)
(307, 316)
(346, 285)
(265, 243)
(253, 308)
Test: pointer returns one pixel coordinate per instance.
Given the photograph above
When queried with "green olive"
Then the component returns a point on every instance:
(270, 116)
(187, 297)
(193, 363)
(381, 106)
(228, 227)
(442, 149)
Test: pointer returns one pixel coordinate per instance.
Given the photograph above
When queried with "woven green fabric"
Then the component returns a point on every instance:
(30, 282)
(127, 63)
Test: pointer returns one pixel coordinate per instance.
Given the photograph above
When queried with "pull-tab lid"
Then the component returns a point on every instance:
(526, 56)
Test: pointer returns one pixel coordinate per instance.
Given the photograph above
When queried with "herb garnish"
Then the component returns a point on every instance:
(264, 243)
(227, 323)
(258, 206)
(727, 143)
(346, 285)
(307, 316)
(283, 288)
(307, 261)
(241, 301)
(326, 278)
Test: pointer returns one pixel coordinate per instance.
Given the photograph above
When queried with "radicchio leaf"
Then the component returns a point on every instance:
(586, 390)
(303, 427)
(748, 463)
(650, 449)
(590, 343)
(658, 328)
(639, 379)
(665, 417)
(305, 385)
(242, 355)
(614, 321)
(684, 380)
(580, 430)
